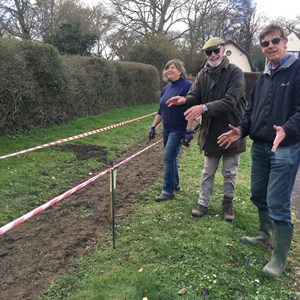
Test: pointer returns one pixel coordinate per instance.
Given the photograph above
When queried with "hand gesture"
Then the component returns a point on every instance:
(229, 137)
(176, 100)
(193, 113)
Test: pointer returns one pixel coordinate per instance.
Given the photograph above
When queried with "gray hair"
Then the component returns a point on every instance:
(179, 66)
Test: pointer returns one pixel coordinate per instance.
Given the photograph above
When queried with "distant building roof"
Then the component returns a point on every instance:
(239, 56)
(293, 42)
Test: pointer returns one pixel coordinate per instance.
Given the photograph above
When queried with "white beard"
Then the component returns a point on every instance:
(214, 63)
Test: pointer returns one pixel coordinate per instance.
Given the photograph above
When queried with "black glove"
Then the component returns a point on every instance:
(187, 138)
(152, 133)
(189, 135)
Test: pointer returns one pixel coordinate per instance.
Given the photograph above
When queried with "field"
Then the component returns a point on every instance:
(161, 252)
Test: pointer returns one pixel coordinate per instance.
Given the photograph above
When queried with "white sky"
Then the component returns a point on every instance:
(272, 8)
(278, 8)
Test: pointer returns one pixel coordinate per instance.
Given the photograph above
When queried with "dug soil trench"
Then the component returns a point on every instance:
(50, 243)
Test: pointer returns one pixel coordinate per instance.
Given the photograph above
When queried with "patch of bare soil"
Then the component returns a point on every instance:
(46, 245)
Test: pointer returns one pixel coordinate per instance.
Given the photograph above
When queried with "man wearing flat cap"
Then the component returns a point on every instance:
(218, 97)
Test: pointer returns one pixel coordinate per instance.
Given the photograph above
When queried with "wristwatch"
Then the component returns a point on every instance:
(205, 108)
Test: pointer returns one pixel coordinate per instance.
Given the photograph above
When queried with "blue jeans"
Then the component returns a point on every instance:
(272, 179)
(172, 143)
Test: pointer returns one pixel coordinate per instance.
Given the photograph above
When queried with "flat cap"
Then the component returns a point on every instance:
(213, 42)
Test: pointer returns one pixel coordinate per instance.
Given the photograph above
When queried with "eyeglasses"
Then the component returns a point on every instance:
(275, 41)
(209, 52)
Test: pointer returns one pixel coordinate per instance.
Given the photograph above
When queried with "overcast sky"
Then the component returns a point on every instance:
(278, 8)
(273, 8)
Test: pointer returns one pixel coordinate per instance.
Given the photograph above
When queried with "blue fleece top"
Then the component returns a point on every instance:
(172, 117)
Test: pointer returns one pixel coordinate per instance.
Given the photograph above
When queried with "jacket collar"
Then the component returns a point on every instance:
(286, 64)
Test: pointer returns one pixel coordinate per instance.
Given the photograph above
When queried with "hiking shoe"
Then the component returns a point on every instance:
(199, 211)
(177, 188)
(164, 197)
(228, 214)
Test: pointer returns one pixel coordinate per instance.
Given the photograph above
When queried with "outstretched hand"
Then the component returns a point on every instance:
(176, 100)
(229, 137)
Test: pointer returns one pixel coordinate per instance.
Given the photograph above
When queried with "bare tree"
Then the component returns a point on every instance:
(47, 23)
(126, 22)
(17, 18)
(120, 41)
(205, 18)
(290, 25)
(67, 24)
(103, 23)
(244, 23)
(231, 19)
(145, 17)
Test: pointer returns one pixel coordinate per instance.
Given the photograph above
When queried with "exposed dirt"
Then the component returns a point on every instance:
(46, 245)
(51, 242)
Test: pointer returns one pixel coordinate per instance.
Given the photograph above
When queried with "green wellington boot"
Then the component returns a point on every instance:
(282, 239)
(266, 228)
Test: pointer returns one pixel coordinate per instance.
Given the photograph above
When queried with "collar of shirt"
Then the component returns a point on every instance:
(281, 62)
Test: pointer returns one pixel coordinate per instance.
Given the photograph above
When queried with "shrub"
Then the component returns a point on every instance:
(40, 88)
(250, 78)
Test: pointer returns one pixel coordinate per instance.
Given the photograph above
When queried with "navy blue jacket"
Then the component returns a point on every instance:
(275, 100)
(172, 117)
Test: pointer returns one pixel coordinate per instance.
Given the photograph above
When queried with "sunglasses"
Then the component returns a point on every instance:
(275, 41)
(209, 52)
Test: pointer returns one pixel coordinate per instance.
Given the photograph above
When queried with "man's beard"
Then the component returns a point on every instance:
(214, 63)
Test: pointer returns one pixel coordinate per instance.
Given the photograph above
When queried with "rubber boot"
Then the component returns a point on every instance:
(282, 239)
(266, 228)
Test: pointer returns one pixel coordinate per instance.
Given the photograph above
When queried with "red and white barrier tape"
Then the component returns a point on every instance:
(66, 194)
(75, 137)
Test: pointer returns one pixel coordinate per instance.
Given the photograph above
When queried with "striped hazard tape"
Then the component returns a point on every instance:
(75, 137)
(66, 194)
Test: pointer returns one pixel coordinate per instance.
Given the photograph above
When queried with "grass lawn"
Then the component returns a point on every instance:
(161, 251)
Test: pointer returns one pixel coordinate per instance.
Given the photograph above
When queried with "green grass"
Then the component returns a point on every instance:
(160, 248)
(31, 179)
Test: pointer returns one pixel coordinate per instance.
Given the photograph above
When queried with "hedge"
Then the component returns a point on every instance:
(39, 87)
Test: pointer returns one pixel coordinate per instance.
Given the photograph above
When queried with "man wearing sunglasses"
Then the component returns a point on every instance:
(272, 120)
(218, 96)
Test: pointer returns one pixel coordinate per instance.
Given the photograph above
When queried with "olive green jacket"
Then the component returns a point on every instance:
(222, 90)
